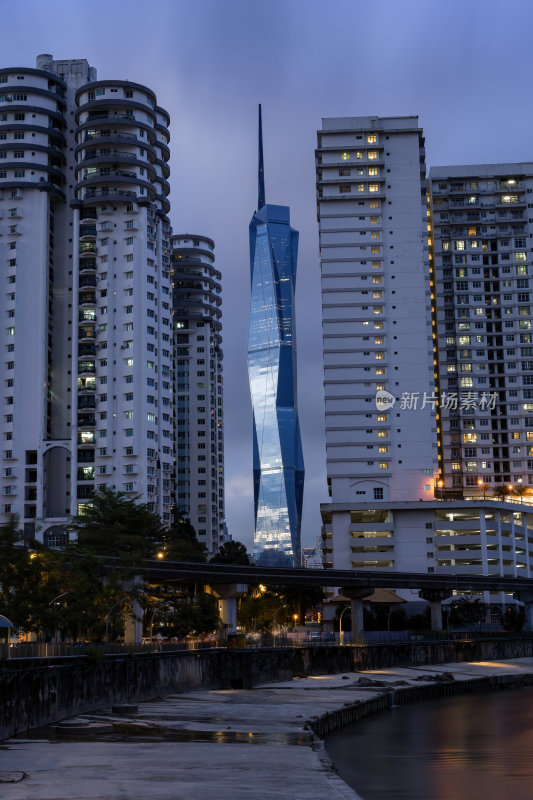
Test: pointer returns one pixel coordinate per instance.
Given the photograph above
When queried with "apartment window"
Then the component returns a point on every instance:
(373, 187)
(378, 494)
(345, 156)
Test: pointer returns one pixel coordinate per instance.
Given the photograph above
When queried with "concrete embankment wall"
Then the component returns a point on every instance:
(36, 692)
(347, 715)
(413, 654)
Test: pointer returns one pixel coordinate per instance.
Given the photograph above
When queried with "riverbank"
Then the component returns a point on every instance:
(228, 744)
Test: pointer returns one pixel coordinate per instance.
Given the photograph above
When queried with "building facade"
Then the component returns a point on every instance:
(277, 451)
(462, 537)
(85, 241)
(373, 228)
(431, 294)
(481, 246)
(198, 391)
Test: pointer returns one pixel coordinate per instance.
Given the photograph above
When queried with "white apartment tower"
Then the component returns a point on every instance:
(199, 431)
(84, 240)
(482, 228)
(373, 231)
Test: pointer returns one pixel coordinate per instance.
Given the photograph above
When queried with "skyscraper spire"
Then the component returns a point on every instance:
(260, 172)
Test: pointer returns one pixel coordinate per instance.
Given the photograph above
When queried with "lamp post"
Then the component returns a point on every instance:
(440, 487)
(274, 621)
(343, 612)
(108, 616)
(483, 486)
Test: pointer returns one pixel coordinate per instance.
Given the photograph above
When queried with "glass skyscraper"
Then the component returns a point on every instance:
(278, 459)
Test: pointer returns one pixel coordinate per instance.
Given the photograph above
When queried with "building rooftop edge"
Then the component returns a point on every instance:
(419, 505)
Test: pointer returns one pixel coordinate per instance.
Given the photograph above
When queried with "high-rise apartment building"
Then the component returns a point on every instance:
(86, 302)
(466, 392)
(376, 310)
(482, 228)
(277, 455)
(199, 431)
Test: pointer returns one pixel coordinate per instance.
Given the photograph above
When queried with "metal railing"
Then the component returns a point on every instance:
(22, 650)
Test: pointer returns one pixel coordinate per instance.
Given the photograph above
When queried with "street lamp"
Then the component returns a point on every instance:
(274, 620)
(343, 612)
(108, 616)
(483, 486)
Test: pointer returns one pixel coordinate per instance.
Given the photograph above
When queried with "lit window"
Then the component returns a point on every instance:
(345, 156)
(383, 465)
(372, 154)
(373, 187)
(371, 138)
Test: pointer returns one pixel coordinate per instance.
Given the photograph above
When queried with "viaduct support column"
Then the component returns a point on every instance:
(133, 627)
(527, 599)
(227, 594)
(356, 600)
(435, 597)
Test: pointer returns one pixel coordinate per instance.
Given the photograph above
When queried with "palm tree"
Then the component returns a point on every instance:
(522, 492)
(502, 491)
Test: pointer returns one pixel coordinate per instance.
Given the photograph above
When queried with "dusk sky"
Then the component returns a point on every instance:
(464, 66)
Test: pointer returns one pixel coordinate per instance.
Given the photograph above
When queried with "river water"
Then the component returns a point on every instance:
(462, 748)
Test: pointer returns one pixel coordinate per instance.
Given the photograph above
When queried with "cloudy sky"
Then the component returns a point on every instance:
(464, 66)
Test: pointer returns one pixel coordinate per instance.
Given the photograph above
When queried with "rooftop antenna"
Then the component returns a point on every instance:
(261, 172)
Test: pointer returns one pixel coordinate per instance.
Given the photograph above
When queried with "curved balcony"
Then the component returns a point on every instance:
(87, 299)
(87, 234)
(87, 249)
(85, 456)
(87, 315)
(114, 177)
(85, 474)
(94, 125)
(86, 333)
(87, 281)
(86, 437)
(116, 195)
(115, 107)
(86, 349)
(87, 401)
(87, 266)
(88, 215)
(86, 385)
(87, 367)
(86, 420)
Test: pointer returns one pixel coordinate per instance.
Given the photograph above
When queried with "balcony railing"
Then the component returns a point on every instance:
(125, 137)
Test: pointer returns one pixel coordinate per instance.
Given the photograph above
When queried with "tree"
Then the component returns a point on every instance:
(231, 553)
(514, 619)
(185, 616)
(116, 525)
(502, 491)
(522, 492)
(468, 612)
(181, 544)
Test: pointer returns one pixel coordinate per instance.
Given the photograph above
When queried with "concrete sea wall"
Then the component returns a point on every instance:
(36, 692)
